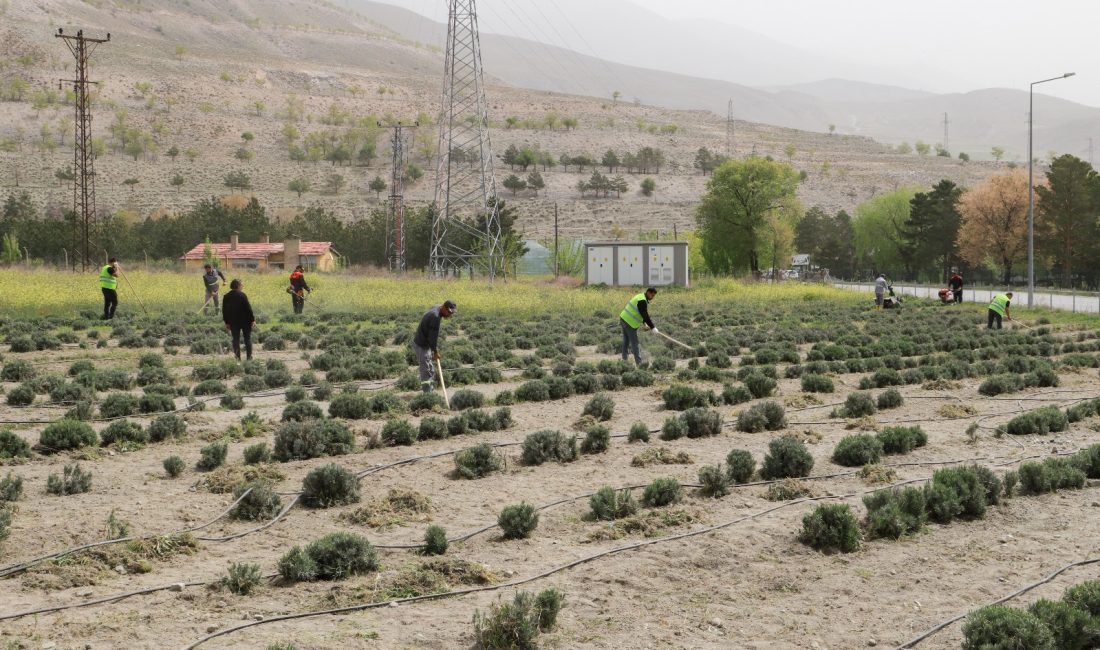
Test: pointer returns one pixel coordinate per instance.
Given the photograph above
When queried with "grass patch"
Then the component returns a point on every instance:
(661, 456)
(227, 478)
(399, 507)
(429, 576)
(956, 411)
(648, 523)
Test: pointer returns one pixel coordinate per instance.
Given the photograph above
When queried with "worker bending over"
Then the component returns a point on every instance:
(426, 342)
(1000, 307)
(634, 316)
(212, 281)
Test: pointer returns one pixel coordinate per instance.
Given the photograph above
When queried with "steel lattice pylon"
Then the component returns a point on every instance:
(395, 224)
(83, 158)
(466, 225)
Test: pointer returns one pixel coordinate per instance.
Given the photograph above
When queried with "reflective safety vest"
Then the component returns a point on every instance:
(1000, 302)
(106, 280)
(630, 314)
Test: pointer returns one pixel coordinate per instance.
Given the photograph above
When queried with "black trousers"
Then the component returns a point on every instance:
(298, 302)
(238, 331)
(958, 295)
(994, 317)
(110, 303)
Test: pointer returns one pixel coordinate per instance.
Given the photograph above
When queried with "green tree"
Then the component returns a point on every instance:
(649, 186)
(526, 158)
(879, 229)
(65, 175)
(570, 123)
(615, 95)
(238, 180)
(299, 186)
(259, 107)
(790, 150)
(732, 213)
(510, 155)
(922, 148)
(535, 182)
(997, 153)
(377, 185)
(964, 157)
(904, 148)
(181, 51)
(172, 152)
(515, 183)
(244, 155)
(131, 183)
(836, 251)
(1066, 227)
(610, 160)
(933, 227)
(248, 137)
(177, 182)
(334, 183)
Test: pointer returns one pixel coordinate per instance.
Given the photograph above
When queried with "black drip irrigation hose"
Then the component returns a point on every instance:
(1019, 592)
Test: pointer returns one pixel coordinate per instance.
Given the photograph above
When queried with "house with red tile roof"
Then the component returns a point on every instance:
(264, 255)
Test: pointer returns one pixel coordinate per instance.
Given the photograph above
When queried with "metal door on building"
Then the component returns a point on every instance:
(601, 265)
(661, 270)
(630, 266)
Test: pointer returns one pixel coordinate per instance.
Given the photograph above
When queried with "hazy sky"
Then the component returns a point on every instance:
(933, 45)
(949, 45)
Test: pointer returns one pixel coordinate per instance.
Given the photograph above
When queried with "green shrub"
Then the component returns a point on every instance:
(295, 394)
(535, 390)
(242, 578)
(1071, 628)
(209, 387)
(312, 439)
(701, 422)
(156, 403)
(18, 370)
(304, 410)
(167, 427)
(998, 627)
(123, 431)
(1048, 419)
(608, 504)
(467, 399)
(740, 466)
(1001, 384)
(257, 454)
(760, 385)
(787, 457)
(350, 406)
(432, 428)
(435, 541)
(21, 395)
(232, 401)
(639, 432)
(398, 432)
(679, 397)
(212, 456)
(72, 481)
(831, 527)
(5, 523)
(260, 504)
(597, 440)
(895, 513)
(1087, 460)
(662, 492)
(733, 395)
(516, 625)
(426, 403)
(637, 378)
(990, 483)
(901, 440)
(337, 556)
(80, 411)
(322, 391)
(674, 428)
(890, 399)
(477, 461)
(12, 446)
(66, 434)
(715, 481)
(329, 485)
(504, 398)
(817, 384)
(1085, 597)
(11, 488)
(858, 405)
(173, 466)
(968, 490)
(297, 566)
(601, 407)
(543, 446)
(857, 451)
(1050, 475)
(1010, 480)
(518, 521)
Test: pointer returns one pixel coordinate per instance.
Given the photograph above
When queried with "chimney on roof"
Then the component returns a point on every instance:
(234, 239)
(265, 238)
(292, 248)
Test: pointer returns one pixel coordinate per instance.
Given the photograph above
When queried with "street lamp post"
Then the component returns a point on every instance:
(1031, 189)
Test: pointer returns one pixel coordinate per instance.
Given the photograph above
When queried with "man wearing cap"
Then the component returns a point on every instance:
(426, 342)
(212, 280)
(1000, 307)
(632, 317)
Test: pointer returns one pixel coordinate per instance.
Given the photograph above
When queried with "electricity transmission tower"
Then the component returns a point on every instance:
(83, 159)
(729, 130)
(466, 229)
(395, 226)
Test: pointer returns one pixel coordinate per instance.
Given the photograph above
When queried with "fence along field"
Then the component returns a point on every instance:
(682, 503)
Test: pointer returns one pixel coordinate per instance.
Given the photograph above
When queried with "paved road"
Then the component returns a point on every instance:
(1082, 303)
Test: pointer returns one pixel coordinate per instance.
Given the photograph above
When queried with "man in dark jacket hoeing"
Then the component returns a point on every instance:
(426, 342)
(238, 317)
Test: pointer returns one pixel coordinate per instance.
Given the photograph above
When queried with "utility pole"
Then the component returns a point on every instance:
(466, 229)
(946, 141)
(729, 130)
(83, 160)
(395, 225)
(557, 258)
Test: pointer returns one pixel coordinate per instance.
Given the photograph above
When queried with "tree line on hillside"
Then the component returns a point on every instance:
(643, 161)
(48, 235)
(749, 220)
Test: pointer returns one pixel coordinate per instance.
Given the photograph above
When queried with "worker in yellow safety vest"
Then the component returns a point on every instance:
(108, 284)
(1000, 307)
(634, 316)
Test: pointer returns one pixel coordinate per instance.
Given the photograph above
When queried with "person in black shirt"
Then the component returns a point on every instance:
(238, 317)
(956, 285)
(426, 342)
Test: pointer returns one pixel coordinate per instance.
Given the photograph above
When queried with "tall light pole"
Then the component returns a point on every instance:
(1031, 189)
